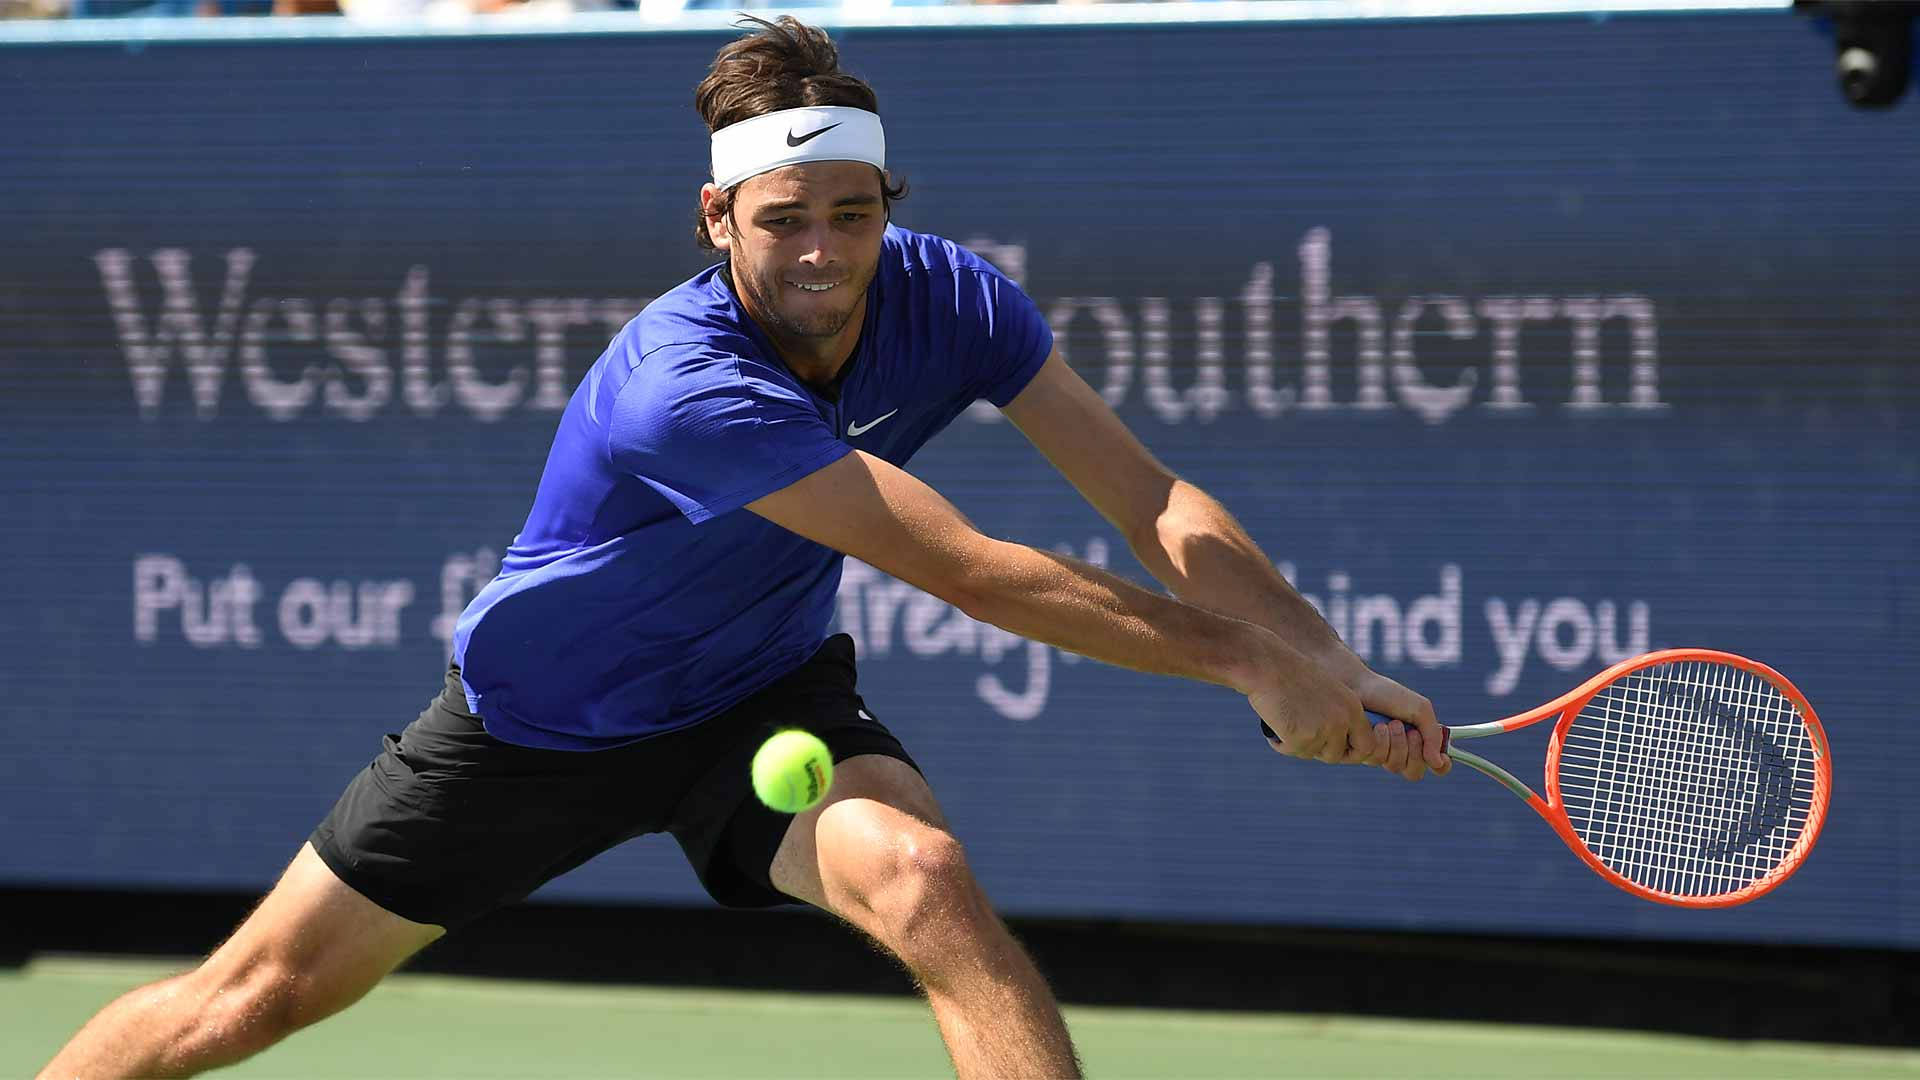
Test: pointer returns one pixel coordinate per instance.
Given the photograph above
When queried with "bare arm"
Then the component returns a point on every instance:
(1181, 535)
(877, 513)
(1187, 540)
(885, 517)
(1200, 552)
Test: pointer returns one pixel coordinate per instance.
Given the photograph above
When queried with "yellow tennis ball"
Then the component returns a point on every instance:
(792, 771)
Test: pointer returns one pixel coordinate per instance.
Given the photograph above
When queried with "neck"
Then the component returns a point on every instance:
(814, 360)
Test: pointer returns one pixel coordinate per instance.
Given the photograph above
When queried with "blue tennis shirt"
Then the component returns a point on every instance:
(640, 597)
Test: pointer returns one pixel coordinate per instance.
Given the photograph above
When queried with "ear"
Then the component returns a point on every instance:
(716, 226)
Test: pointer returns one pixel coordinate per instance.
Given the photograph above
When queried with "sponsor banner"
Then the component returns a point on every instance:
(1521, 347)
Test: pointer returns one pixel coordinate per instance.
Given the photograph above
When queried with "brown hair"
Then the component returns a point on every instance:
(784, 64)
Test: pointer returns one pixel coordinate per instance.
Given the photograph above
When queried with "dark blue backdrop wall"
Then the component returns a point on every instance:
(1521, 344)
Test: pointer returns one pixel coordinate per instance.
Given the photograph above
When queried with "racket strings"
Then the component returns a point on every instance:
(1691, 778)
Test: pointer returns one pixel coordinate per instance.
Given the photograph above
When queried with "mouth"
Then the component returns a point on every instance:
(815, 286)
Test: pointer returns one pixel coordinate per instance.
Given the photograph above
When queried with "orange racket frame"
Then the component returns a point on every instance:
(1567, 708)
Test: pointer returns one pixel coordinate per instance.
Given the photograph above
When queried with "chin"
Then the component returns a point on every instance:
(816, 323)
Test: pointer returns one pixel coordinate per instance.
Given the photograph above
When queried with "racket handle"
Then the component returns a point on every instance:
(1446, 736)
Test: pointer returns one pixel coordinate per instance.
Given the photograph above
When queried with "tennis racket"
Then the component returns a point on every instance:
(1687, 776)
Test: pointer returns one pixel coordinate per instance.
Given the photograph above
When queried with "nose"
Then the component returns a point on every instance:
(817, 244)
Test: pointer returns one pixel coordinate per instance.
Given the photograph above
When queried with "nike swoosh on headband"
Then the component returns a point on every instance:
(796, 140)
(792, 137)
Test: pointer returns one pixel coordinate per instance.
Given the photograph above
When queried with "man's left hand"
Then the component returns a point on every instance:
(1415, 738)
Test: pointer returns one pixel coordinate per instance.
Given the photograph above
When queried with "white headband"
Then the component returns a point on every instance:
(791, 136)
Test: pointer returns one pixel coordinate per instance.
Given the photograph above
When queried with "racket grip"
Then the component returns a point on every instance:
(1446, 736)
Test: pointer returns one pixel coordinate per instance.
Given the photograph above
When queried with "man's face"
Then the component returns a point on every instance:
(804, 243)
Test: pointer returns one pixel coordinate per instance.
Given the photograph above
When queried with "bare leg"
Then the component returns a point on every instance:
(312, 947)
(877, 854)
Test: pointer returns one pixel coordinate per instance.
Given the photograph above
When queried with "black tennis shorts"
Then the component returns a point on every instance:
(449, 822)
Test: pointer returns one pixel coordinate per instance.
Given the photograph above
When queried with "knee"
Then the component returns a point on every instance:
(254, 1004)
(902, 881)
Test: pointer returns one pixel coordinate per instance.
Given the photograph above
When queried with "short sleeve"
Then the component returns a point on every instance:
(1015, 338)
(711, 432)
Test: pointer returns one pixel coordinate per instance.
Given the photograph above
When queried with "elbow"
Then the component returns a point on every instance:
(986, 607)
(970, 597)
(975, 588)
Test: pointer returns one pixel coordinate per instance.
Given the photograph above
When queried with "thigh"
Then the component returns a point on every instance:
(872, 801)
(337, 942)
(448, 823)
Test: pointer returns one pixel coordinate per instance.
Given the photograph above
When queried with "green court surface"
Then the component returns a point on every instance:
(421, 1027)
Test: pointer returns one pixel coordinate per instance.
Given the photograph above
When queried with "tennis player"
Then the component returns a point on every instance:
(667, 605)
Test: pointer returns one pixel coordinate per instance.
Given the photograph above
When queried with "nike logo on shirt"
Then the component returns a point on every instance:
(855, 428)
(796, 140)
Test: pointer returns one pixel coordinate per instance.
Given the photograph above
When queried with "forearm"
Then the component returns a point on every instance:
(1084, 609)
(1203, 556)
